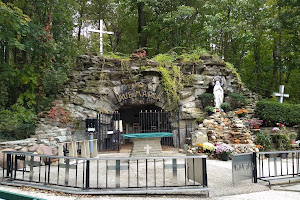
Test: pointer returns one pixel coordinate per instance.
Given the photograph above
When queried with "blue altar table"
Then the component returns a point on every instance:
(146, 144)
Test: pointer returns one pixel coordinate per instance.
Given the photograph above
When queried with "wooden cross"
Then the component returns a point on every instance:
(101, 31)
(281, 94)
(147, 148)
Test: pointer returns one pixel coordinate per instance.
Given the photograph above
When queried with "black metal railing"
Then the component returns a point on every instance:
(156, 121)
(109, 130)
(188, 133)
(276, 165)
(105, 175)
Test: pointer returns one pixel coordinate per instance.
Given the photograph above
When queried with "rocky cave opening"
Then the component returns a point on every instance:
(132, 117)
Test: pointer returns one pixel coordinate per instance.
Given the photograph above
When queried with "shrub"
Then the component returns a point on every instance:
(274, 112)
(264, 139)
(281, 141)
(17, 123)
(209, 109)
(237, 100)
(225, 105)
(199, 120)
(60, 114)
(207, 99)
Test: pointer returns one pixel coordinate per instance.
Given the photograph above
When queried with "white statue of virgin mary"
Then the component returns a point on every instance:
(218, 94)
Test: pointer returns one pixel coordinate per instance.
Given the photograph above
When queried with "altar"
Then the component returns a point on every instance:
(146, 144)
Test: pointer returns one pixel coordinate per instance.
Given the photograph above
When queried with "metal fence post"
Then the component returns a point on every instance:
(8, 164)
(179, 105)
(254, 167)
(204, 172)
(87, 177)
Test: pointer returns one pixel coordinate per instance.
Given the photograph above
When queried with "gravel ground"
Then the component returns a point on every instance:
(219, 183)
(265, 195)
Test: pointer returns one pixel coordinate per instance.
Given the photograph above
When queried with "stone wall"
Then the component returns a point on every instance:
(99, 84)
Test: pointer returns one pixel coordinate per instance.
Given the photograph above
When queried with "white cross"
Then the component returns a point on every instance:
(147, 148)
(281, 94)
(101, 31)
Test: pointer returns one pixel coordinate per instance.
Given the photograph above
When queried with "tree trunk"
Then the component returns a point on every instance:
(257, 62)
(6, 52)
(79, 31)
(226, 37)
(81, 13)
(279, 47)
(141, 23)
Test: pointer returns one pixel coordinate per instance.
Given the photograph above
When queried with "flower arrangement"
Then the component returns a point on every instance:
(200, 148)
(208, 147)
(259, 147)
(276, 129)
(281, 125)
(241, 112)
(255, 121)
(281, 128)
(224, 149)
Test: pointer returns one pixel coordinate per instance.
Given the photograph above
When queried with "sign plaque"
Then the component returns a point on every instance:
(242, 167)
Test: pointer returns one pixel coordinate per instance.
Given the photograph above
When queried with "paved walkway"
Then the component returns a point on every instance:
(219, 183)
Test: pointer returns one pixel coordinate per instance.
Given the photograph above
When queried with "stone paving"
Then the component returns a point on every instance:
(219, 183)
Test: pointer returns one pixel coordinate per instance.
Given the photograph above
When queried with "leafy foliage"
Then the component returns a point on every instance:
(274, 112)
(209, 109)
(237, 100)
(60, 114)
(281, 141)
(225, 105)
(207, 99)
(17, 123)
(36, 52)
(264, 139)
(260, 38)
(37, 49)
(172, 77)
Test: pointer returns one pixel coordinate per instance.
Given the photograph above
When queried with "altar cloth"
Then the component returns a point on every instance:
(146, 135)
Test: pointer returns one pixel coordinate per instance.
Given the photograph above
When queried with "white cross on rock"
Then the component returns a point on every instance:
(101, 31)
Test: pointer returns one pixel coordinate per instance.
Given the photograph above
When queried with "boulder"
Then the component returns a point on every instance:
(19, 165)
(44, 150)
(207, 122)
(199, 138)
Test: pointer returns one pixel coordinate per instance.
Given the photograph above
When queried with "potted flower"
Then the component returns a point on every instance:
(254, 123)
(264, 139)
(241, 113)
(275, 130)
(293, 137)
(225, 106)
(200, 148)
(208, 148)
(209, 110)
(223, 151)
(260, 147)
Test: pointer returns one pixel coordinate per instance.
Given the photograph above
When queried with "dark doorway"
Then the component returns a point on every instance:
(130, 115)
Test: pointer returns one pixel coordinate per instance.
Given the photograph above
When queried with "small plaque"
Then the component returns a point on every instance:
(91, 129)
